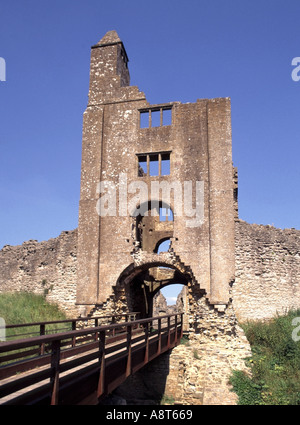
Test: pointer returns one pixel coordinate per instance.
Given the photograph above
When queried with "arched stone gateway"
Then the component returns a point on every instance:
(149, 273)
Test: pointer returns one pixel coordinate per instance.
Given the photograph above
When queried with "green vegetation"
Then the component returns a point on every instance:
(275, 364)
(185, 340)
(24, 307)
(166, 399)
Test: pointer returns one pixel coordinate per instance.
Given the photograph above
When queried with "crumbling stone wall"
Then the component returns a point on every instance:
(194, 373)
(199, 372)
(47, 268)
(266, 284)
(267, 271)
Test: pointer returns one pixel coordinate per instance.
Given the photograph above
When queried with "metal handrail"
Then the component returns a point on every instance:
(73, 322)
(110, 352)
(26, 342)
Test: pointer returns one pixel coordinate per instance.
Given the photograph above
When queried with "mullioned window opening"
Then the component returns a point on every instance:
(156, 117)
(154, 164)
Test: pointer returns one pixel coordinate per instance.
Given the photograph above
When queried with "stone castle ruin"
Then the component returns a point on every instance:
(151, 174)
(128, 142)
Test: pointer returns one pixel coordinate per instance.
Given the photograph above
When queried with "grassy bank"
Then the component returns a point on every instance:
(275, 364)
(16, 308)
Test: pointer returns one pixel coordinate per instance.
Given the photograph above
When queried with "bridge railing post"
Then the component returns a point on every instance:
(113, 321)
(129, 335)
(73, 329)
(146, 330)
(42, 345)
(169, 332)
(176, 324)
(181, 324)
(54, 380)
(159, 337)
(151, 326)
(101, 382)
(96, 336)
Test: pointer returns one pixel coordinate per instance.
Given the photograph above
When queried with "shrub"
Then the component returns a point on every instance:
(275, 364)
(249, 393)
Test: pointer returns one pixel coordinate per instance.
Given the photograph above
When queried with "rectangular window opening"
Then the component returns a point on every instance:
(167, 116)
(165, 214)
(165, 164)
(142, 166)
(144, 119)
(154, 165)
(155, 118)
(162, 214)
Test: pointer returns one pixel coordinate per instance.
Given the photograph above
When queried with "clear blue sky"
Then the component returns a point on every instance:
(178, 51)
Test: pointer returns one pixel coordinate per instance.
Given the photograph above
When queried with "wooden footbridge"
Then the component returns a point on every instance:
(79, 366)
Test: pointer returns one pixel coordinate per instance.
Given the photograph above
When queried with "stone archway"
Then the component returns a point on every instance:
(149, 273)
(141, 288)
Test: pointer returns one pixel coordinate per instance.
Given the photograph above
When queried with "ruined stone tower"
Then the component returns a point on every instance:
(152, 173)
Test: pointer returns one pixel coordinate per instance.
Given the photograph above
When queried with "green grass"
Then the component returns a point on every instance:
(275, 364)
(24, 307)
